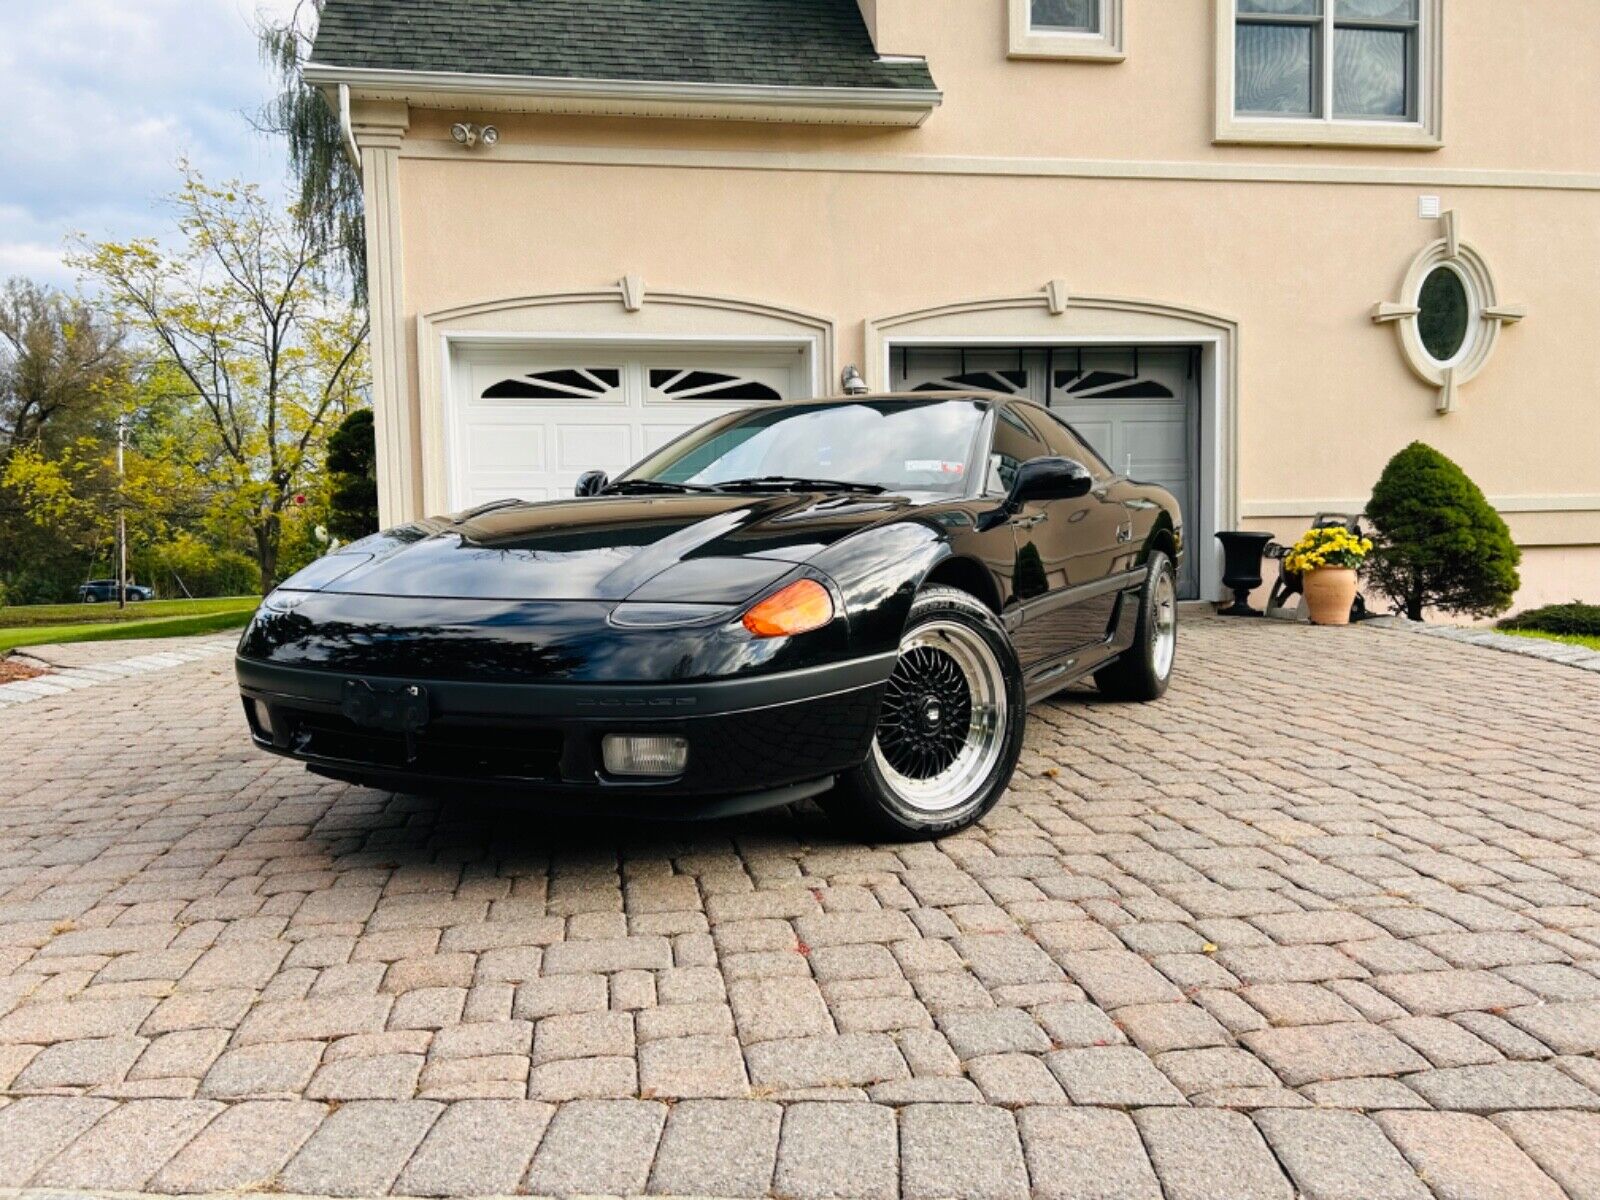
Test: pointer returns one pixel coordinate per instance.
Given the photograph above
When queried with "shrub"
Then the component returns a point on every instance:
(1438, 543)
(1573, 618)
(188, 565)
(353, 477)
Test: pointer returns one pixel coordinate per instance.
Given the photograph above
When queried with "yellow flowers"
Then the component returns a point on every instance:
(1333, 547)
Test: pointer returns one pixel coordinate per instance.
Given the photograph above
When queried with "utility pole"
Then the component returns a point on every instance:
(122, 517)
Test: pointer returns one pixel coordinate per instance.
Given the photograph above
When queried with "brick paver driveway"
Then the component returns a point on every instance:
(1325, 920)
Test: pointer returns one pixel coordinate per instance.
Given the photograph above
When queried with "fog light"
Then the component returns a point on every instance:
(263, 717)
(656, 754)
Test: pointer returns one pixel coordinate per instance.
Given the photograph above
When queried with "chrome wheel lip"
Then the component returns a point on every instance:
(1163, 625)
(985, 739)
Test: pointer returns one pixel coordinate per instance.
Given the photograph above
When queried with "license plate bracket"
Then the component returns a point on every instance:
(397, 708)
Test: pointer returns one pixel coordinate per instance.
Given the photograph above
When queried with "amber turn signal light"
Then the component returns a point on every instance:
(799, 608)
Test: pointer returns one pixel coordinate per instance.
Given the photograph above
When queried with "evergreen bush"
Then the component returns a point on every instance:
(1574, 618)
(353, 477)
(1437, 542)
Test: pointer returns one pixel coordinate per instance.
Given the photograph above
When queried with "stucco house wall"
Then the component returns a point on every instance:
(1053, 201)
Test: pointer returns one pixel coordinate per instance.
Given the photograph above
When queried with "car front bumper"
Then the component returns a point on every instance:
(753, 742)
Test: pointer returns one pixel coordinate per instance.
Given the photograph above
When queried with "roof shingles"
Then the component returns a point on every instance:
(789, 43)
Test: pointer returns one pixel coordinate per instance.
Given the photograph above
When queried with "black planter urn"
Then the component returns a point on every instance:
(1241, 569)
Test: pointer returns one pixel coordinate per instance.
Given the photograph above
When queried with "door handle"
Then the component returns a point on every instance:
(1030, 522)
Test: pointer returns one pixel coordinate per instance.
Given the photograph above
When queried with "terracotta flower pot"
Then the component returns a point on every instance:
(1330, 591)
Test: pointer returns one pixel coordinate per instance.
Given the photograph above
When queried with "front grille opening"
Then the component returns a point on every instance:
(472, 751)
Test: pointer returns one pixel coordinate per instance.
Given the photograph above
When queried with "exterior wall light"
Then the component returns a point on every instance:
(852, 383)
(470, 135)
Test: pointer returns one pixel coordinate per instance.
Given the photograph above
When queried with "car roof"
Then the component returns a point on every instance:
(977, 395)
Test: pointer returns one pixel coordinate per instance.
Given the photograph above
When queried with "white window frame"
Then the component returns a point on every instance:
(1106, 45)
(1425, 132)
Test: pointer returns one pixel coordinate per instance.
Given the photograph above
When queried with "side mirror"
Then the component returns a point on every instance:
(1049, 479)
(591, 483)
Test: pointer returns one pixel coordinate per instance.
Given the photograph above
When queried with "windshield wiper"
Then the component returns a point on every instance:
(625, 486)
(793, 483)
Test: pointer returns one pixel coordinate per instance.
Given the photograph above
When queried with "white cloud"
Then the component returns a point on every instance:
(102, 97)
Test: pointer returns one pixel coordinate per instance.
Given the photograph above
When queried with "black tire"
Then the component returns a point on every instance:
(1143, 671)
(952, 645)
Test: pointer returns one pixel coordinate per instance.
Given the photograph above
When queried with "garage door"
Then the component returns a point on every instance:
(1138, 407)
(527, 423)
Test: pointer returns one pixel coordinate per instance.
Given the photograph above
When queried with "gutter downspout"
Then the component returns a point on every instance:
(347, 129)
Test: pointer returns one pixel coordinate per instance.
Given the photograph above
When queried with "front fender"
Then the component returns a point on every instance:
(878, 572)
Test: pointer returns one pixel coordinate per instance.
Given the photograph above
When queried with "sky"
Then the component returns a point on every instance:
(100, 98)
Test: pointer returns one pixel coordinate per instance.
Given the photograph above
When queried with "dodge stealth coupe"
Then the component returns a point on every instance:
(854, 599)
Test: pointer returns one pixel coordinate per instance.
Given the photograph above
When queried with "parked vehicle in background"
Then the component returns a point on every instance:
(96, 591)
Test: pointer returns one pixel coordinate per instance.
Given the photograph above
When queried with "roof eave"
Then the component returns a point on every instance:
(631, 98)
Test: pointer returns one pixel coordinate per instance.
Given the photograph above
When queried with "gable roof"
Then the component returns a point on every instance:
(762, 43)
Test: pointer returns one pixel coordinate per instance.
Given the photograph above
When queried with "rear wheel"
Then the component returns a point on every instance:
(950, 729)
(1145, 668)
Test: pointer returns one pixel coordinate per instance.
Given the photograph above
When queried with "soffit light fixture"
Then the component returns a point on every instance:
(470, 135)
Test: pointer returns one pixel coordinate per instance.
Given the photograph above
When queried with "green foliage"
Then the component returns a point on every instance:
(255, 352)
(1587, 641)
(183, 625)
(187, 564)
(24, 616)
(1576, 618)
(64, 372)
(62, 365)
(1438, 542)
(353, 477)
(329, 207)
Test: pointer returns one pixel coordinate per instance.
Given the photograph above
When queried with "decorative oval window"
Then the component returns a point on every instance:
(1444, 316)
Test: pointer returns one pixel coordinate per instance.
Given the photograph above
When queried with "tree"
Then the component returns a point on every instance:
(60, 364)
(329, 206)
(244, 324)
(1437, 542)
(63, 374)
(353, 477)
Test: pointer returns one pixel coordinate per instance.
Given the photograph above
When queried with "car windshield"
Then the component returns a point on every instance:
(899, 445)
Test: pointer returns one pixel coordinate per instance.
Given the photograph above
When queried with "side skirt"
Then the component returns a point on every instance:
(1070, 668)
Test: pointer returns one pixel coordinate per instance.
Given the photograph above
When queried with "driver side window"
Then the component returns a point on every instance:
(1014, 444)
(1064, 440)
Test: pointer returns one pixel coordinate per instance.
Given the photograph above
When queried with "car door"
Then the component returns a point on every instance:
(1058, 556)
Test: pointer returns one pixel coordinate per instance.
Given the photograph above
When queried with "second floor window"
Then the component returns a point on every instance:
(1345, 60)
(1083, 29)
(1068, 16)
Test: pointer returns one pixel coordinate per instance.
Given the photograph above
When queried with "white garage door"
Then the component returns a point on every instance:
(1138, 408)
(527, 423)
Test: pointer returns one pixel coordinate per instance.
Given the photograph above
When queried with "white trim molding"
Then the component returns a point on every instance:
(1487, 313)
(1012, 166)
(600, 317)
(1106, 44)
(1054, 316)
(631, 97)
(1426, 132)
(1502, 504)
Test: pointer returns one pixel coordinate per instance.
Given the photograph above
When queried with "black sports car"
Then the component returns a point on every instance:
(854, 599)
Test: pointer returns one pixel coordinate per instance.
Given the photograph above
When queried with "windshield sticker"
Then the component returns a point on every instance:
(937, 466)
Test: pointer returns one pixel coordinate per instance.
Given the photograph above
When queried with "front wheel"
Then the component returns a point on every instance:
(950, 728)
(1145, 668)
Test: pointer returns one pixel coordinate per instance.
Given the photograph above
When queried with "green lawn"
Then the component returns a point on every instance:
(41, 624)
(1571, 639)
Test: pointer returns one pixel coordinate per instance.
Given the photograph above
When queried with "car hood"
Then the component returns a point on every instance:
(699, 548)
